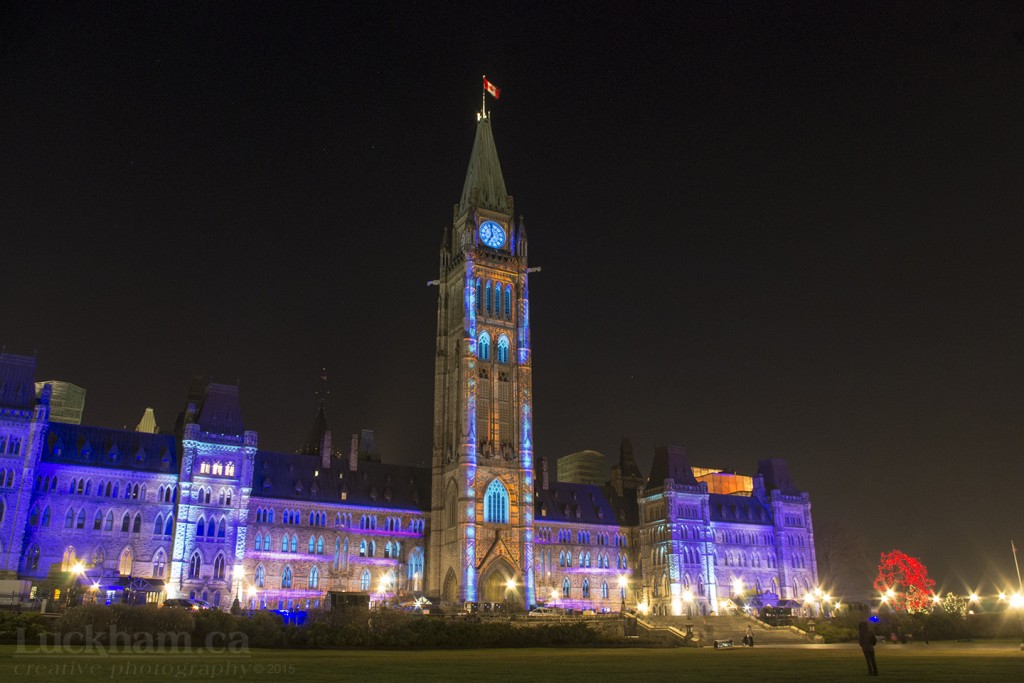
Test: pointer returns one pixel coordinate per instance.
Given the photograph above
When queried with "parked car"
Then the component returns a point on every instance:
(179, 603)
(545, 612)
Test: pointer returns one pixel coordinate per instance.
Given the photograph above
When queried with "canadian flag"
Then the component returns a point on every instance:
(494, 90)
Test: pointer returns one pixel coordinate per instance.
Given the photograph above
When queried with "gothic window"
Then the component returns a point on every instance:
(372, 550)
(415, 566)
(221, 528)
(200, 527)
(159, 564)
(508, 302)
(229, 470)
(479, 297)
(286, 578)
(218, 567)
(169, 525)
(211, 528)
(33, 558)
(566, 588)
(497, 299)
(314, 578)
(114, 494)
(88, 487)
(496, 503)
(503, 349)
(561, 559)
(204, 467)
(295, 543)
(312, 545)
(137, 524)
(483, 346)
(364, 581)
(124, 564)
(158, 525)
(488, 296)
(258, 545)
(284, 543)
(344, 555)
(195, 565)
(81, 487)
(68, 560)
(260, 578)
(320, 545)
(81, 519)
(266, 542)
(33, 516)
(108, 524)
(218, 468)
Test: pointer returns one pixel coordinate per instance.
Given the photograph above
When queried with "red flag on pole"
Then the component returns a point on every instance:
(494, 90)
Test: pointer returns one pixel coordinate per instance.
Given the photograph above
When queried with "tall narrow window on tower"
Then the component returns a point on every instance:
(496, 503)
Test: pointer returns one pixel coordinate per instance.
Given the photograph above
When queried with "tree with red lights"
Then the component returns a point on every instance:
(903, 582)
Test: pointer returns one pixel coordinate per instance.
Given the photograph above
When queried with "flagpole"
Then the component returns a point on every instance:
(1020, 587)
(483, 101)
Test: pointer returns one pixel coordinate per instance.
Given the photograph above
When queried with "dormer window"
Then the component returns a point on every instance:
(204, 467)
(218, 468)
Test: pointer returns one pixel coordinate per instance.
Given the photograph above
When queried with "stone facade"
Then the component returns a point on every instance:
(204, 513)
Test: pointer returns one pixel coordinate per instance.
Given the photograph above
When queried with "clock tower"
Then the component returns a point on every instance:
(481, 535)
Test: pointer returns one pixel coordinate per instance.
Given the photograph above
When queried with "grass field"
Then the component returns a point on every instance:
(937, 662)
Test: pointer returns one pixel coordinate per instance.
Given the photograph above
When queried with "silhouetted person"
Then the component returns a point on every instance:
(748, 637)
(867, 645)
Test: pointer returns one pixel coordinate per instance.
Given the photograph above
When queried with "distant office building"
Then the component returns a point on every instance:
(584, 467)
(724, 482)
(67, 402)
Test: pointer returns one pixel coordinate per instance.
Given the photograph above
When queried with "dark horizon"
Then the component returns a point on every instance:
(781, 231)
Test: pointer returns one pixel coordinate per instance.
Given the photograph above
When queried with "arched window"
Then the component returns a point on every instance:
(604, 590)
(483, 346)
(124, 564)
(314, 578)
(496, 503)
(108, 523)
(158, 525)
(221, 528)
(258, 545)
(260, 577)
(312, 545)
(362, 548)
(69, 519)
(373, 548)
(320, 545)
(295, 543)
(137, 524)
(284, 543)
(195, 565)
(211, 528)
(344, 555)
(33, 516)
(586, 588)
(201, 527)
(169, 526)
(81, 519)
(218, 567)
(364, 581)
(503, 349)
(488, 296)
(266, 541)
(286, 578)
(508, 302)
(159, 564)
(33, 558)
(479, 297)
(126, 523)
(415, 567)
(566, 588)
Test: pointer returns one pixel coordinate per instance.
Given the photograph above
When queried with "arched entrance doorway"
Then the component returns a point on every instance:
(448, 592)
(494, 584)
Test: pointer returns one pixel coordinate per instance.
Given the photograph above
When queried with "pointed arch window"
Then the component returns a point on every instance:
(483, 346)
(364, 581)
(258, 545)
(81, 519)
(344, 554)
(479, 297)
(158, 525)
(503, 347)
(137, 524)
(488, 296)
(295, 543)
(566, 588)
(218, 566)
(266, 541)
(320, 545)
(69, 519)
(604, 590)
(33, 558)
(286, 578)
(108, 523)
(496, 503)
(314, 578)
(124, 564)
(159, 564)
(195, 565)
(586, 588)
(312, 545)
(33, 516)
(169, 526)
(508, 302)
(260, 578)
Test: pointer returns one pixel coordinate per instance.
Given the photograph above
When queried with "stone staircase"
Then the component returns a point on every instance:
(732, 627)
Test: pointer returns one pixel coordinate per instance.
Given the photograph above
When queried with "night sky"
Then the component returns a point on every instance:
(766, 230)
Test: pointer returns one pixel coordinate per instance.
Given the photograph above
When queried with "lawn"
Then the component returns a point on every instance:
(936, 662)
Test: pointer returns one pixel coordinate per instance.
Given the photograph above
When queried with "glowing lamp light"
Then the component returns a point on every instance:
(95, 587)
(890, 593)
(510, 584)
(252, 591)
(974, 597)
(687, 596)
(1002, 596)
(554, 594)
(1017, 601)
(78, 568)
(737, 586)
(808, 597)
(623, 581)
(936, 599)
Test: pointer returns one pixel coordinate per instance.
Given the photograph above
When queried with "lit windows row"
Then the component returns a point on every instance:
(109, 489)
(217, 468)
(7, 479)
(204, 495)
(77, 519)
(603, 562)
(582, 537)
(342, 520)
(585, 590)
(495, 299)
(10, 445)
(212, 529)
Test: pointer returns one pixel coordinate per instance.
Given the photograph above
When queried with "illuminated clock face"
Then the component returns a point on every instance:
(492, 234)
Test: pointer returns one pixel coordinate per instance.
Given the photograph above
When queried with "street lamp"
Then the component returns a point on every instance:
(623, 585)
(510, 586)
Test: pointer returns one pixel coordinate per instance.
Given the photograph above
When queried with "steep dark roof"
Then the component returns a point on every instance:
(776, 476)
(116, 449)
(670, 462)
(311, 446)
(484, 172)
(580, 504)
(221, 411)
(743, 509)
(292, 476)
(17, 381)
